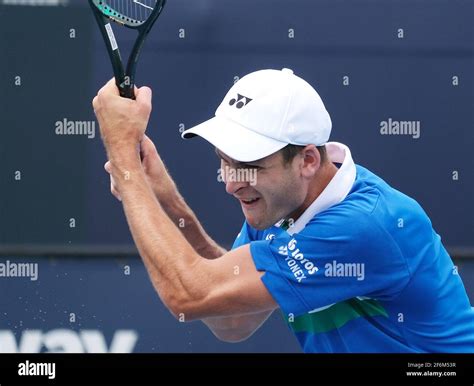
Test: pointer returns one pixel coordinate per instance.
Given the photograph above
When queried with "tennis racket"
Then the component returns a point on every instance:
(139, 15)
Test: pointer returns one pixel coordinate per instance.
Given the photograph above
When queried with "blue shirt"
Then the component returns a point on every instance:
(365, 274)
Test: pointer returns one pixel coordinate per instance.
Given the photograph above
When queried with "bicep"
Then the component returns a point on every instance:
(234, 286)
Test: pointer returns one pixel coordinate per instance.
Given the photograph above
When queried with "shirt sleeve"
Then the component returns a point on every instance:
(245, 236)
(333, 259)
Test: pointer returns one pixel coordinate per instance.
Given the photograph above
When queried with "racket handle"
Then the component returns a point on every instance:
(127, 91)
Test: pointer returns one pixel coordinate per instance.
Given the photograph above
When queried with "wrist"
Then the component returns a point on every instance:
(164, 187)
(123, 151)
(125, 165)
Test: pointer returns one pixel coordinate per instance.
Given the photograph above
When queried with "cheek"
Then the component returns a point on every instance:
(285, 194)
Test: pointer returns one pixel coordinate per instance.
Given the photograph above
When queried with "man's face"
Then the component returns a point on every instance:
(268, 190)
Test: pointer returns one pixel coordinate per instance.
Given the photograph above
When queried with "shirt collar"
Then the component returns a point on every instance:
(335, 192)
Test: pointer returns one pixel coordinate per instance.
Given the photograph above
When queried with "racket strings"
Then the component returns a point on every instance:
(132, 10)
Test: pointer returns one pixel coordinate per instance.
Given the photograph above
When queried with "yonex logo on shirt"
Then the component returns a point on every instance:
(298, 264)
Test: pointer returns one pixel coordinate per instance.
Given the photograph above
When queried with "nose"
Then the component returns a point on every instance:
(233, 186)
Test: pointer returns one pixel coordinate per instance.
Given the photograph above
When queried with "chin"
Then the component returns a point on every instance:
(259, 225)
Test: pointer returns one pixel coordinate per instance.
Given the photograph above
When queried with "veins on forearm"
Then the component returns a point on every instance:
(188, 224)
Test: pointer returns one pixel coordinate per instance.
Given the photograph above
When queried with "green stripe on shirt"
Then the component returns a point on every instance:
(337, 316)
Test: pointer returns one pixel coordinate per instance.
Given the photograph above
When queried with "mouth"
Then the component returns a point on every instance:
(249, 202)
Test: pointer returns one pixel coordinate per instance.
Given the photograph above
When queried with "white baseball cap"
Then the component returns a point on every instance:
(264, 112)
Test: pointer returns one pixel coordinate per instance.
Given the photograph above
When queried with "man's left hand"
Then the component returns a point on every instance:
(122, 121)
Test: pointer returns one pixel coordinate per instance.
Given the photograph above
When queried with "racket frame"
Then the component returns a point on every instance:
(125, 77)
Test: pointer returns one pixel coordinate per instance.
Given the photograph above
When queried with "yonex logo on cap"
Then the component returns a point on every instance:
(240, 102)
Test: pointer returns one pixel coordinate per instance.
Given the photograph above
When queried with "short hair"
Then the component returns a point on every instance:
(290, 151)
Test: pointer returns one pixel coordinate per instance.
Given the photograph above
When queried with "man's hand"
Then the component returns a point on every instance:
(122, 121)
(155, 170)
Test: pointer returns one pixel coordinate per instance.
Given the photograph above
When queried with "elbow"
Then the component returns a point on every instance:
(180, 309)
(232, 329)
(232, 336)
(185, 307)
(187, 297)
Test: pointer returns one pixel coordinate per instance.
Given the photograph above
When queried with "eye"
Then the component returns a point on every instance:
(247, 166)
(255, 167)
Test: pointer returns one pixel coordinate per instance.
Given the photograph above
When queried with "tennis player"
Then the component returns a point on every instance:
(353, 264)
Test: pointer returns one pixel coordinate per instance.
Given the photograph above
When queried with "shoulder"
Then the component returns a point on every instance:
(356, 224)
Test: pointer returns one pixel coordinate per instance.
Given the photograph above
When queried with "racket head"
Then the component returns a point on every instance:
(131, 13)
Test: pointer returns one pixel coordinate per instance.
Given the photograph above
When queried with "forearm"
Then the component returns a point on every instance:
(169, 258)
(232, 328)
(229, 329)
(187, 222)
(181, 214)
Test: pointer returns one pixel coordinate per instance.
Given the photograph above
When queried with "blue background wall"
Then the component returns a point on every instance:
(406, 79)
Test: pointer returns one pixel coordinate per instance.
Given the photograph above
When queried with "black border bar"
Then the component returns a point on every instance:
(210, 369)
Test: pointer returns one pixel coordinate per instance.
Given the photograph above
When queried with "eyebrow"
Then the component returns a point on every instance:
(237, 163)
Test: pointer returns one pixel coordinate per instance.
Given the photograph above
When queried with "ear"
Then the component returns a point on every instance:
(311, 161)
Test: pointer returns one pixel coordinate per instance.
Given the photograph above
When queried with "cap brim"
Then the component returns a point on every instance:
(234, 140)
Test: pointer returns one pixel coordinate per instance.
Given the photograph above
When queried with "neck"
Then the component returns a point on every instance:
(316, 187)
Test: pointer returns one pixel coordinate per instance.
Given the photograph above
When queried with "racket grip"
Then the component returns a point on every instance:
(127, 92)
